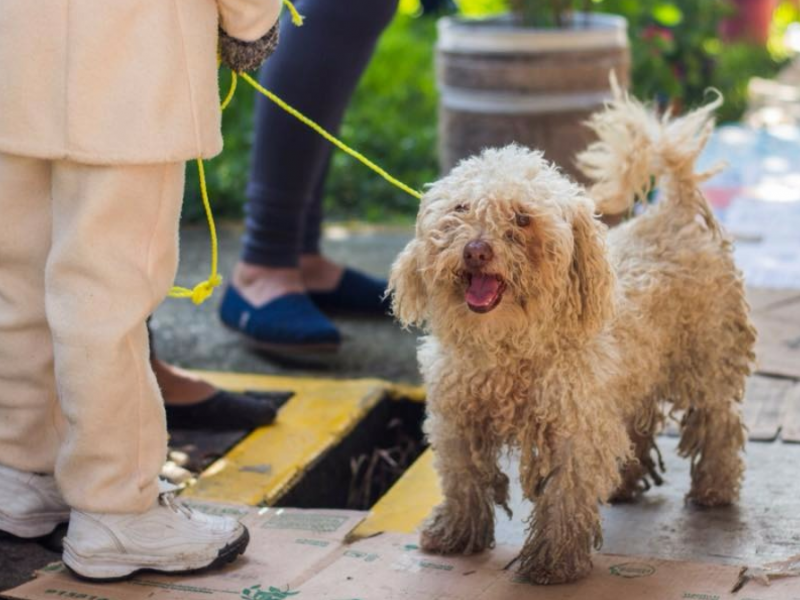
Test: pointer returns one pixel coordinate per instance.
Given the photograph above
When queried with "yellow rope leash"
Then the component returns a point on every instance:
(203, 290)
(328, 136)
(297, 18)
(231, 92)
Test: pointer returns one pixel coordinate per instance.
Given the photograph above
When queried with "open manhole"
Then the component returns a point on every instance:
(357, 472)
(353, 474)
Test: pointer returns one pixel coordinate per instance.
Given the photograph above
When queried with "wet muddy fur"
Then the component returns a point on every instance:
(598, 337)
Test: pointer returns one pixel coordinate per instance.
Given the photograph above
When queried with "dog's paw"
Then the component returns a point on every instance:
(711, 497)
(545, 571)
(711, 488)
(628, 492)
(549, 562)
(625, 495)
(448, 533)
(555, 575)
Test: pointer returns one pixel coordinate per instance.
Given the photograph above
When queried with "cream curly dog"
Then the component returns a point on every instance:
(553, 336)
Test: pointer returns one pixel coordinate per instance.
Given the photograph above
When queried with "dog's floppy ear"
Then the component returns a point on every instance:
(591, 287)
(407, 288)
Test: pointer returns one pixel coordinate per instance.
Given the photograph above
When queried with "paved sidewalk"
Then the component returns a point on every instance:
(194, 337)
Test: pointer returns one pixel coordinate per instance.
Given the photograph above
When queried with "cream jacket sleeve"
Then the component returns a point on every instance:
(117, 81)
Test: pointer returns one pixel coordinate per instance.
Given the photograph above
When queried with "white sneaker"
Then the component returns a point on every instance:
(30, 505)
(170, 537)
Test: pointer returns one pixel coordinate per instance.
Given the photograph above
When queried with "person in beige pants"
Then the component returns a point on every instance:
(101, 104)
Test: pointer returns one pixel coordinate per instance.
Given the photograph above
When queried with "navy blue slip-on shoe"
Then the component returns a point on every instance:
(356, 293)
(290, 323)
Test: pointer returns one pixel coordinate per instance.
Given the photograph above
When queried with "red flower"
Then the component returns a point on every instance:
(655, 32)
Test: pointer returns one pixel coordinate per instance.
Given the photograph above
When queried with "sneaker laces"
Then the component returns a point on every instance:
(167, 499)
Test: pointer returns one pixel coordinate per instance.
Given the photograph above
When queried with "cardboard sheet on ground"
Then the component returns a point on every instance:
(303, 554)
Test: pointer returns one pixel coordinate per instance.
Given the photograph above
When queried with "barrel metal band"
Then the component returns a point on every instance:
(480, 101)
(461, 37)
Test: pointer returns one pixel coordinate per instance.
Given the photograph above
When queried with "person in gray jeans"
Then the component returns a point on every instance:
(283, 286)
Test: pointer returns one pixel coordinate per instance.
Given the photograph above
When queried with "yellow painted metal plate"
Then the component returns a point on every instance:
(408, 393)
(268, 462)
(403, 508)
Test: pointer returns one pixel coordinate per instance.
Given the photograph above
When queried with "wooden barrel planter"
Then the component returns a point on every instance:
(501, 83)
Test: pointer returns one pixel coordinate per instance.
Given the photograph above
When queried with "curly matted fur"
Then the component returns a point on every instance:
(570, 343)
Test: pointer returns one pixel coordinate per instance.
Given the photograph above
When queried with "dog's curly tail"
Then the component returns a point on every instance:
(635, 148)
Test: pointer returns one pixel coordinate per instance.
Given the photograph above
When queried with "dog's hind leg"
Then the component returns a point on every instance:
(472, 483)
(712, 431)
(713, 437)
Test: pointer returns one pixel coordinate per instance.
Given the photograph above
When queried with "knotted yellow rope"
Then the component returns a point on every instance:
(203, 290)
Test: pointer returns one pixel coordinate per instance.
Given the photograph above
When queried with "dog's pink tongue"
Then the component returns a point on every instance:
(482, 290)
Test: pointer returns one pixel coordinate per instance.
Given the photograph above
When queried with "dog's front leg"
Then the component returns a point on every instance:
(471, 483)
(567, 480)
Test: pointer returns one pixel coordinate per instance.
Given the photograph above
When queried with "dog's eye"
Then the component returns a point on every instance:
(461, 208)
(522, 220)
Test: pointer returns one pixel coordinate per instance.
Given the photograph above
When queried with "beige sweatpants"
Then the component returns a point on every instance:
(86, 254)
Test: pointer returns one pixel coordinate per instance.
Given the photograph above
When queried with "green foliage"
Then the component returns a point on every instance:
(786, 13)
(547, 13)
(481, 8)
(734, 66)
(675, 45)
(678, 54)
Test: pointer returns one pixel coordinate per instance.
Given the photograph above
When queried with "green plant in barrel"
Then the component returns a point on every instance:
(679, 51)
(547, 13)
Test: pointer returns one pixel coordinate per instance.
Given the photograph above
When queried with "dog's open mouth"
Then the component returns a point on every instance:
(484, 291)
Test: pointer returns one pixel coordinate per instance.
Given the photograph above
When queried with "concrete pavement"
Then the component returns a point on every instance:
(194, 337)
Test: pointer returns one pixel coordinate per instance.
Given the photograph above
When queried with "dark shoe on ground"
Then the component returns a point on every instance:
(227, 411)
(356, 294)
(291, 323)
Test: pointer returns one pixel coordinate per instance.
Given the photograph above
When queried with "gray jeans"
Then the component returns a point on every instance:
(315, 69)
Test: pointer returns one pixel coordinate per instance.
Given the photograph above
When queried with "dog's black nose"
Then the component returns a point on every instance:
(477, 254)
